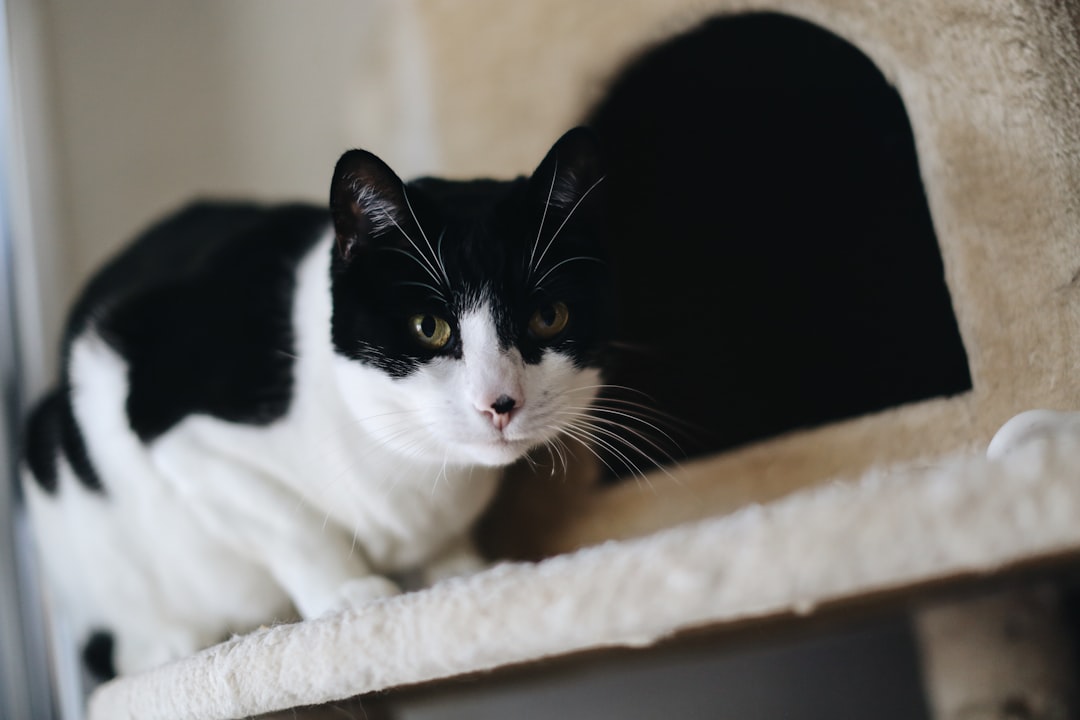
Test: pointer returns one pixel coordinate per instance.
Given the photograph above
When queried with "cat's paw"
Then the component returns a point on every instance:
(1032, 426)
(358, 592)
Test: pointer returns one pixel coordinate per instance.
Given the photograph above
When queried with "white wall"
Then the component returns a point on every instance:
(156, 103)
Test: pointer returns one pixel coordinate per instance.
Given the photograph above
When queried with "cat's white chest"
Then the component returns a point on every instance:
(321, 479)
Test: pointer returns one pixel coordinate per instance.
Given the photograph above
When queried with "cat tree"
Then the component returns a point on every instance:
(883, 505)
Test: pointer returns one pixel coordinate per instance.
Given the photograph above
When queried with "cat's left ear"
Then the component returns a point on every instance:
(367, 200)
(568, 181)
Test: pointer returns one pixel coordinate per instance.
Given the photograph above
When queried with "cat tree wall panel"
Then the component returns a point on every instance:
(991, 89)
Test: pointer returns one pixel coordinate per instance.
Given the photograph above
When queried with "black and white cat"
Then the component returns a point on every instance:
(272, 408)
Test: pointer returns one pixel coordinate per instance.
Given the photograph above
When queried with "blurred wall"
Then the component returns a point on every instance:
(160, 102)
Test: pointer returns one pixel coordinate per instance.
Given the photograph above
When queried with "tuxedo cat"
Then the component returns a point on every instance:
(269, 408)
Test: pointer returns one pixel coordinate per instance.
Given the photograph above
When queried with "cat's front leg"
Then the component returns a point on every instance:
(319, 567)
(324, 572)
(317, 563)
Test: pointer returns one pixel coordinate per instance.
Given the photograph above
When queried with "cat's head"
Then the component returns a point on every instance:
(469, 317)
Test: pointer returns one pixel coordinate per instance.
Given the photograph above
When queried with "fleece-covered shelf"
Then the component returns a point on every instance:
(886, 532)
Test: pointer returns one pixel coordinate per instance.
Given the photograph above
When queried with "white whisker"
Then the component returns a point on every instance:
(422, 262)
(596, 435)
(593, 422)
(423, 235)
(651, 410)
(559, 264)
(551, 457)
(439, 258)
(585, 442)
(355, 535)
(531, 462)
(566, 220)
(553, 448)
(564, 451)
(547, 204)
(643, 438)
(442, 472)
(437, 294)
(629, 416)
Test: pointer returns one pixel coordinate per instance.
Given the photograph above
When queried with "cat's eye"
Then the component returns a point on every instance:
(549, 320)
(431, 330)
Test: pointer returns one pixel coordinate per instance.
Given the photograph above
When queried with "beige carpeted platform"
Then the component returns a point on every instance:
(888, 530)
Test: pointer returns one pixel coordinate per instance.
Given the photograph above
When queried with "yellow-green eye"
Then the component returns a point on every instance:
(549, 320)
(431, 330)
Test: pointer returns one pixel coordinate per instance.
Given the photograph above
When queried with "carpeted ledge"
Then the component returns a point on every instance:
(891, 528)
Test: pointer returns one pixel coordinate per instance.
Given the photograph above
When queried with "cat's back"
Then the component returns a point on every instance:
(195, 244)
(198, 308)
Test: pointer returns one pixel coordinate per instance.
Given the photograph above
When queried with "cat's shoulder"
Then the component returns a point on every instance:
(203, 238)
(199, 309)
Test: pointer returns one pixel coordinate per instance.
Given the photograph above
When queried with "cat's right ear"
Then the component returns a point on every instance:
(570, 171)
(565, 184)
(366, 201)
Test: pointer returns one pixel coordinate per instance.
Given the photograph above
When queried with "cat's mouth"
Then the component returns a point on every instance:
(499, 451)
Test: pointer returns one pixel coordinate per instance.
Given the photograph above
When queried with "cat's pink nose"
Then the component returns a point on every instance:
(501, 411)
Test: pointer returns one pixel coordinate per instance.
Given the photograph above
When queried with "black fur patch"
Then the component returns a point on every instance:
(74, 446)
(456, 244)
(50, 430)
(41, 442)
(777, 259)
(200, 307)
(97, 656)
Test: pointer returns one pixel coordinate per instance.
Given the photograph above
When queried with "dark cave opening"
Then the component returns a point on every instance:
(777, 261)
